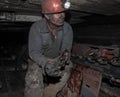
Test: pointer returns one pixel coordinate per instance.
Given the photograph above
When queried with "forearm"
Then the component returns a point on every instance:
(40, 59)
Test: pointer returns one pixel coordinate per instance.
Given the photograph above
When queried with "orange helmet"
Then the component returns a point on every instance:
(52, 6)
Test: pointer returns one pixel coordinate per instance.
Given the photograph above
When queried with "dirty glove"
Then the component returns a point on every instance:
(55, 67)
(52, 67)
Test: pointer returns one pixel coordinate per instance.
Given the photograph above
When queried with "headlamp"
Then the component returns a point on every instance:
(67, 4)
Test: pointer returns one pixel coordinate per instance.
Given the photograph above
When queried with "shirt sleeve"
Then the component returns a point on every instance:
(35, 46)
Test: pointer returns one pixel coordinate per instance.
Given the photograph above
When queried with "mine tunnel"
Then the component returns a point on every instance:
(95, 49)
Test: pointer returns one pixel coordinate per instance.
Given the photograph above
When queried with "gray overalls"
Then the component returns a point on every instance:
(42, 46)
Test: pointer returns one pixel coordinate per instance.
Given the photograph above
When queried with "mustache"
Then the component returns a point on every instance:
(62, 18)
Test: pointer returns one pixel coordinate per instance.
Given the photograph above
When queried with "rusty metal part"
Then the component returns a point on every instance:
(115, 61)
(74, 84)
(98, 54)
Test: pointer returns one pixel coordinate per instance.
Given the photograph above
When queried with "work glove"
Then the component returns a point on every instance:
(52, 67)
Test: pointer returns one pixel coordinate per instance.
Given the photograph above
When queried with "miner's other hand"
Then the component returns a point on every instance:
(52, 68)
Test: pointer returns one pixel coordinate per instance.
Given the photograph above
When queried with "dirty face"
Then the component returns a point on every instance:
(56, 18)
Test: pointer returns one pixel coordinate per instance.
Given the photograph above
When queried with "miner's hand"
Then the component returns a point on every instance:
(52, 67)
(56, 66)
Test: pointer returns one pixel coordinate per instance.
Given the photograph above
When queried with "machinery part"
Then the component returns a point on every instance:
(92, 55)
(115, 61)
(54, 6)
(102, 60)
(73, 86)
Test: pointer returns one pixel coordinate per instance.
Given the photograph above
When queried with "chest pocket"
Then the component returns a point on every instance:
(48, 45)
(46, 40)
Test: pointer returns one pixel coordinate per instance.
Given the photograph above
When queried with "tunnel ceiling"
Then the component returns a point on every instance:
(80, 11)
